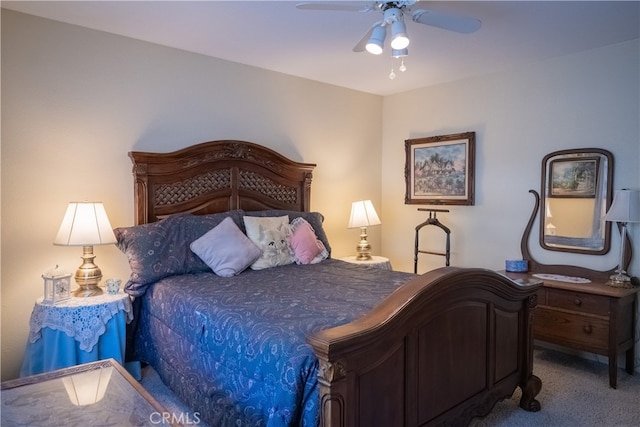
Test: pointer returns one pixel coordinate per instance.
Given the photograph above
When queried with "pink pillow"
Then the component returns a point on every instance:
(304, 243)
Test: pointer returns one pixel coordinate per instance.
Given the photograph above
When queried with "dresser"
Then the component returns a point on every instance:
(590, 317)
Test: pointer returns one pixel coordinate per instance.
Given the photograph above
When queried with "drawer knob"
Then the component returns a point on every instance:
(587, 329)
(578, 301)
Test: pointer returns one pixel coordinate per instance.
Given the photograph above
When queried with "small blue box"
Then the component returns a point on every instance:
(517, 265)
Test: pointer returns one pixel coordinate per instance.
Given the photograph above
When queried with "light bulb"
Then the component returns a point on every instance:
(374, 48)
(399, 37)
(403, 67)
(400, 42)
(392, 74)
(376, 41)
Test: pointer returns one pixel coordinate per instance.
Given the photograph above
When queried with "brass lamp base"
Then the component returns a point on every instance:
(88, 275)
(364, 248)
(620, 280)
(87, 291)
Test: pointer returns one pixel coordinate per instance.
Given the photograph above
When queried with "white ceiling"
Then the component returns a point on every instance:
(317, 45)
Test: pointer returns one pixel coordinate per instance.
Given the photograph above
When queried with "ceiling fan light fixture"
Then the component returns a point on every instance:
(393, 17)
(375, 44)
(399, 37)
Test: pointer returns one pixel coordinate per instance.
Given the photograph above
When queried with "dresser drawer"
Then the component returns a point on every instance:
(578, 301)
(571, 329)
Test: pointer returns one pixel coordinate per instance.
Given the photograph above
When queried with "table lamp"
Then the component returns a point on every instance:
(624, 209)
(86, 224)
(363, 215)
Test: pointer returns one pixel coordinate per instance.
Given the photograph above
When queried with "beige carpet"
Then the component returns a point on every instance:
(575, 393)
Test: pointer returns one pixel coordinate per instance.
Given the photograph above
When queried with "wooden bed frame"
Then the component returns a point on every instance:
(443, 349)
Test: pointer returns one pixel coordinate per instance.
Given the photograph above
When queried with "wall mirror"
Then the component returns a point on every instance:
(576, 193)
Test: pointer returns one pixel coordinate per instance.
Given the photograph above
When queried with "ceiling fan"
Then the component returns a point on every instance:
(393, 17)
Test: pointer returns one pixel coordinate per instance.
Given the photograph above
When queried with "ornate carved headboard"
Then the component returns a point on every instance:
(218, 176)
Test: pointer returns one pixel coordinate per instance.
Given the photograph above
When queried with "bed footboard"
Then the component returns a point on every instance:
(442, 349)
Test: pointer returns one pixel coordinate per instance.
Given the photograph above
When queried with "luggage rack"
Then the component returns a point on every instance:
(432, 220)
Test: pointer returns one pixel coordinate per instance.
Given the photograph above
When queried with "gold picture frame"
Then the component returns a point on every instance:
(439, 170)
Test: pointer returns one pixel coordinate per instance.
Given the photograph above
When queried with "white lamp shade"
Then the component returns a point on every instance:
(87, 388)
(85, 224)
(363, 214)
(625, 207)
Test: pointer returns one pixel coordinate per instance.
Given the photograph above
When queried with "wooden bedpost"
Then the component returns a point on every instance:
(332, 381)
(531, 384)
(140, 193)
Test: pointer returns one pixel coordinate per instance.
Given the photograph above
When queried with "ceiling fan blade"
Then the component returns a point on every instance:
(362, 44)
(339, 6)
(447, 21)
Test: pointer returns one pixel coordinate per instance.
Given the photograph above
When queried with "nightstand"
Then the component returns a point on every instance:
(375, 262)
(76, 331)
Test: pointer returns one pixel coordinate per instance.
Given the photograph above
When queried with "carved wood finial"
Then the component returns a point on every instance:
(140, 169)
(329, 372)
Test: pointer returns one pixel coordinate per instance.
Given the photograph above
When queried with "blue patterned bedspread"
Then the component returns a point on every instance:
(235, 349)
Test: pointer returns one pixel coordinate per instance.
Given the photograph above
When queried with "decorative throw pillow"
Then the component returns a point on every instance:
(161, 249)
(270, 235)
(307, 249)
(315, 219)
(153, 251)
(225, 249)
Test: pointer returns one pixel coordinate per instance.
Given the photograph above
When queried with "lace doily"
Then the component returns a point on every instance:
(83, 319)
(562, 278)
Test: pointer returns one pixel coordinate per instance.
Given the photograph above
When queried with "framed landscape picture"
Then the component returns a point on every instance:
(574, 177)
(439, 170)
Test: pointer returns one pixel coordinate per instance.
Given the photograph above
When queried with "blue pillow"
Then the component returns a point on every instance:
(161, 249)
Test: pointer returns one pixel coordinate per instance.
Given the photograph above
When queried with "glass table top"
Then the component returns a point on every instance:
(99, 393)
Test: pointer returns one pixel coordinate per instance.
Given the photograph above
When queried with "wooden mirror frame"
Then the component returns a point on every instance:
(603, 190)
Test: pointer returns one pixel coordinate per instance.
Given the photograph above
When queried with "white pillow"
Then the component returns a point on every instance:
(270, 235)
(225, 249)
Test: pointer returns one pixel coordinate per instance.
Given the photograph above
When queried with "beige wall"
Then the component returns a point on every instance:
(75, 101)
(578, 101)
(585, 100)
(564, 218)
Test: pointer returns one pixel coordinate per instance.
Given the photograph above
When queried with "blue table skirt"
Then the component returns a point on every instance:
(57, 350)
